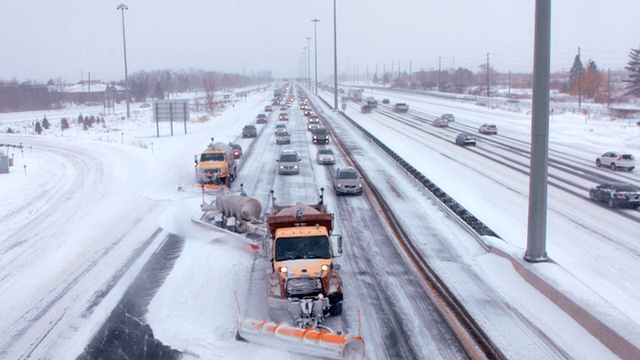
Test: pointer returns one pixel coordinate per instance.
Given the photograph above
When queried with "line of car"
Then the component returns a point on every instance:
(345, 180)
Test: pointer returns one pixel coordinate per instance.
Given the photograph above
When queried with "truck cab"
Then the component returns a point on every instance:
(216, 165)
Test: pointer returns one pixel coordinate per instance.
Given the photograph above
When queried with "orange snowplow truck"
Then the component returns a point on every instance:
(304, 279)
(216, 166)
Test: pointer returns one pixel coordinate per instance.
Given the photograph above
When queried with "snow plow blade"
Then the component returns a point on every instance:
(311, 341)
(213, 187)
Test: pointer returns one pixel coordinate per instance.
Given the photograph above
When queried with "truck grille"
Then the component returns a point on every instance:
(304, 286)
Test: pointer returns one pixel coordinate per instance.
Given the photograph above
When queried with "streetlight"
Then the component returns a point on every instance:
(122, 8)
(304, 62)
(335, 59)
(309, 64)
(315, 50)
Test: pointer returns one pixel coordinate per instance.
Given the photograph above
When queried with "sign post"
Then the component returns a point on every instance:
(170, 111)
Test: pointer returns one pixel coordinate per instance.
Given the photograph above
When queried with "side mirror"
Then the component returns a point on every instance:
(277, 160)
(338, 245)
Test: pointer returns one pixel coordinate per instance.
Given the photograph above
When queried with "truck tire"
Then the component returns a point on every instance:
(336, 309)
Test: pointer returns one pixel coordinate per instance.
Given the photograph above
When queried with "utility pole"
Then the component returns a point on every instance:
(410, 82)
(122, 8)
(309, 63)
(509, 84)
(367, 75)
(335, 59)
(439, 74)
(315, 50)
(609, 88)
(488, 93)
(304, 64)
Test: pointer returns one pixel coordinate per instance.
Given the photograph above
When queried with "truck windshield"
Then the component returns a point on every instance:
(212, 157)
(310, 247)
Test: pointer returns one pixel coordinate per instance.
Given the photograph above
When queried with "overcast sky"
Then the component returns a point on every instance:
(44, 39)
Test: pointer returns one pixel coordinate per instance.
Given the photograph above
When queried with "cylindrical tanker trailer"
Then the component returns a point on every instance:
(240, 206)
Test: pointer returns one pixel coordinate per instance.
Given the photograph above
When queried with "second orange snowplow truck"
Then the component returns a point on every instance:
(304, 279)
(216, 166)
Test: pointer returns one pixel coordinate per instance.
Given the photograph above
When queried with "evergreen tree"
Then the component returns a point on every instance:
(375, 79)
(45, 123)
(64, 123)
(575, 75)
(80, 119)
(633, 66)
(385, 79)
(592, 80)
(38, 128)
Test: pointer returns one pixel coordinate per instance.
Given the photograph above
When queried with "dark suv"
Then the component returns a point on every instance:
(320, 136)
(261, 119)
(465, 139)
(249, 131)
(617, 194)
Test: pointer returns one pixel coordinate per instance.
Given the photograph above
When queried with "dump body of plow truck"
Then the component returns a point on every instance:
(216, 165)
(304, 279)
(355, 95)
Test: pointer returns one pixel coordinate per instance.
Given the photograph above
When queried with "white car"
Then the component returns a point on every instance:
(488, 129)
(325, 157)
(347, 181)
(440, 122)
(616, 160)
(288, 162)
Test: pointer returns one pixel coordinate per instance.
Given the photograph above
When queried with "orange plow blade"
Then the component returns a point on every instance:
(213, 187)
(311, 341)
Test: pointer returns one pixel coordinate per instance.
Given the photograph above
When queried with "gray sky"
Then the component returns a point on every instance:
(44, 39)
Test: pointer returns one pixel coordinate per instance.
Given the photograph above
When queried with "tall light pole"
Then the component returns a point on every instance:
(304, 63)
(309, 63)
(315, 50)
(335, 59)
(122, 8)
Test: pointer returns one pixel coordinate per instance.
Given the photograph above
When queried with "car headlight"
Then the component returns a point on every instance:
(339, 185)
(360, 185)
(332, 159)
(295, 167)
(281, 167)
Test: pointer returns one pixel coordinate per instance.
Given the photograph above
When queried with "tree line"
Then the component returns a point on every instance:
(585, 81)
(30, 95)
